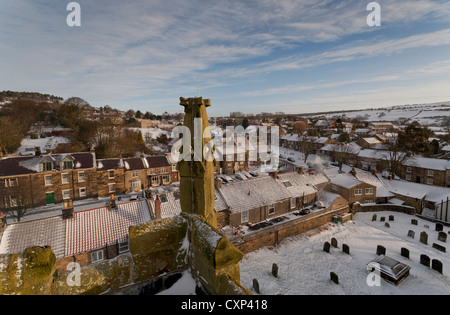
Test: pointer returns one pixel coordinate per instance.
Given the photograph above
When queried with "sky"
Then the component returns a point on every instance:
(291, 56)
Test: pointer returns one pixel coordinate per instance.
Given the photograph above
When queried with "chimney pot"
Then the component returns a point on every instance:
(67, 211)
(112, 202)
(37, 151)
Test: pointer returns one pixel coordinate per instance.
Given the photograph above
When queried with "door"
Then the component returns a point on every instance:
(49, 198)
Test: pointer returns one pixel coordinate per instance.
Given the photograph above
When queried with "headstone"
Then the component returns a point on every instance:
(346, 249)
(334, 277)
(326, 247)
(391, 218)
(405, 252)
(437, 265)
(381, 250)
(334, 242)
(442, 237)
(439, 227)
(256, 286)
(275, 270)
(387, 225)
(411, 233)
(424, 238)
(439, 247)
(414, 222)
(425, 260)
(382, 219)
(374, 217)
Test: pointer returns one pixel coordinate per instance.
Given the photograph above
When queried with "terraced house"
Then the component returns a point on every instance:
(46, 179)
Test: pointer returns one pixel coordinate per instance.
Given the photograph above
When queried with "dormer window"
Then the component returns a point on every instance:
(46, 166)
(67, 165)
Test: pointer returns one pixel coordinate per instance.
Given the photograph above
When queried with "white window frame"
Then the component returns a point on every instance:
(46, 182)
(81, 176)
(135, 174)
(408, 170)
(109, 174)
(11, 182)
(369, 191)
(408, 177)
(85, 192)
(430, 173)
(430, 181)
(271, 209)
(358, 192)
(124, 247)
(156, 180)
(293, 203)
(368, 201)
(64, 192)
(244, 216)
(135, 183)
(165, 179)
(97, 256)
(62, 178)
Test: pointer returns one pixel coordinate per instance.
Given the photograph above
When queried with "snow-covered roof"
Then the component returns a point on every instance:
(374, 154)
(416, 190)
(345, 180)
(327, 198)
(446, 148)
(371, 179)
(428, 163)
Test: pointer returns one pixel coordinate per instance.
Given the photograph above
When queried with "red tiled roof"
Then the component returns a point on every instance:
(93, 229)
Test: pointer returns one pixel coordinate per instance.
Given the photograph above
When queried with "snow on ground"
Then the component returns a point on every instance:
(50, 143)
(184, 286)
(304, 268)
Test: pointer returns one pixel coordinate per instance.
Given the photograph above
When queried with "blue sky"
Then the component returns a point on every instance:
(250, 56)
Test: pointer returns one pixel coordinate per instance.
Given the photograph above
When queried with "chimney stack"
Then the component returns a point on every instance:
(112, 202)
(374, 172)
(274, 174)
(301, 170)
(353, 172)
(67, 211)
(37, 151)
(158, 208)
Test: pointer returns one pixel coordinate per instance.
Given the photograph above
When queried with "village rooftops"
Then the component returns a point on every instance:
(345, 180)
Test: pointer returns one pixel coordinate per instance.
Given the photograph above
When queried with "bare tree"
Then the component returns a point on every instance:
(306, 145)
(341, 153)
(19, 201)
(396, 155)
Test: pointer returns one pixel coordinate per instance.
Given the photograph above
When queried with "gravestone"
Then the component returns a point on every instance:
(382, 219)
(425, 260)
(405, 252)
(437, 265)
(439, 247)
(346, 249)
(439, 227)
(442, 237)
(411, 233)
(326, 247)
(424, 238)
(391, 218)
(275, 270)
(414, 222)
(374, 217)
(256, 286)
(381, 250)
(334, 277)
(387, 225)
(334, 242)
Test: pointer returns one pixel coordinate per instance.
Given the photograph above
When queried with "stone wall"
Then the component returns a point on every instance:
(383, 207)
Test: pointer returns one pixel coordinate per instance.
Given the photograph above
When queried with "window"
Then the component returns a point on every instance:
(176, 195)
(174, 168)
(287, 184)
(335, 187)
(67, 165)
(369, 191)
(97, 256)
(165, 179)
(155, 180)
(293, 203)
(430, 173)
(430, 181)
(123, 247)
(408, 170)
(272, 209)
(110, 174)
(65, 178)
(11, 182)
(358, 192)
(66, 194)
(135, 184)
(111, 188)
(368, 201)
(408, 176)
(11, 201)
(83, 192)
(135, 173)
(47, 166)
(244, 216)
(48, 180)
(81, 176)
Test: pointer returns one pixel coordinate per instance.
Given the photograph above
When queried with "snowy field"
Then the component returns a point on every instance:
(304, 268)
(50, 143)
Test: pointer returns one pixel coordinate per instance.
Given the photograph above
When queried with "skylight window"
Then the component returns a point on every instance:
(287, 184)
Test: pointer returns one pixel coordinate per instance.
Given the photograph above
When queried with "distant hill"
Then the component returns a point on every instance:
(10, 95)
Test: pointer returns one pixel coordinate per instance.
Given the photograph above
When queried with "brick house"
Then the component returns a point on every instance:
(352, 189)
(110, 177)
(426, 171)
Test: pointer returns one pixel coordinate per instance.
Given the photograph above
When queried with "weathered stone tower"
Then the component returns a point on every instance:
(197, 175)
